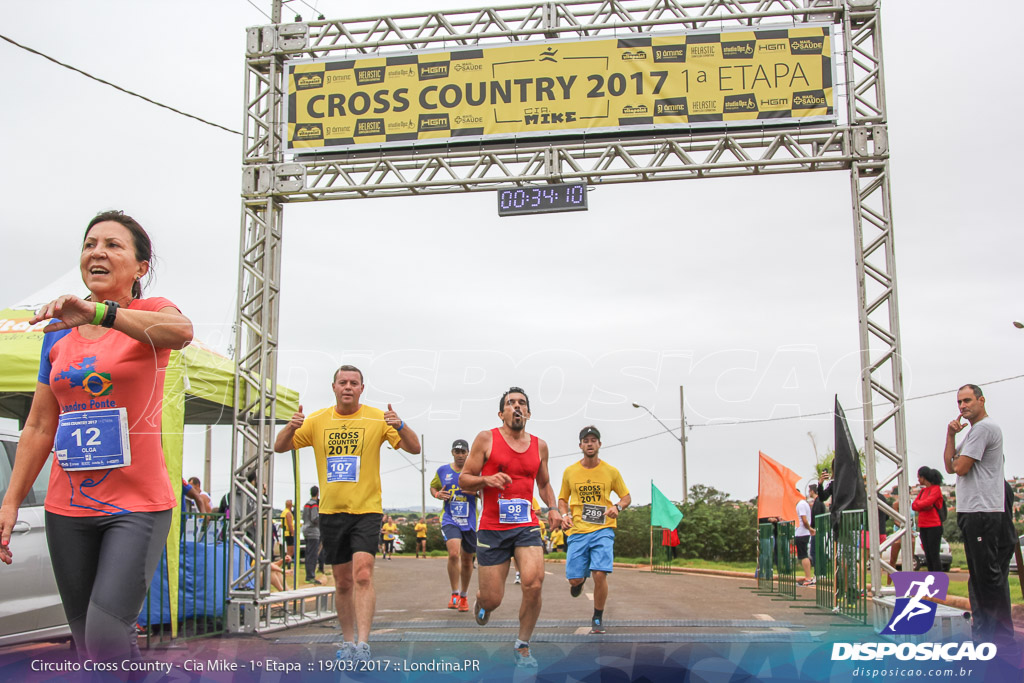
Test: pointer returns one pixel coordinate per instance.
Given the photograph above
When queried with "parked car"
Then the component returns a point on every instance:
(1013, 562)
(945, 556)
(30, 607)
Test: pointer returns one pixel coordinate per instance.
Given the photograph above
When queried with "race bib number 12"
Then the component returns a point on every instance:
(93, 440)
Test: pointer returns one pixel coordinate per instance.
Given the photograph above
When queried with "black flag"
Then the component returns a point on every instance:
(848, 486)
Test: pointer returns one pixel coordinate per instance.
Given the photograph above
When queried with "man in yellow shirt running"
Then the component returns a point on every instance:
(588, 516)
(346, 440)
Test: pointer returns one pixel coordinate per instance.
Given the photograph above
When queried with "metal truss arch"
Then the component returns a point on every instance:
(858, 144)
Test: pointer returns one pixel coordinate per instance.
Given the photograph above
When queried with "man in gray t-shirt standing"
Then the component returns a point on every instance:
(978, 464)
(311, 532)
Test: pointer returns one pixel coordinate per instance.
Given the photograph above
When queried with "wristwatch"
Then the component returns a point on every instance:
(108, 319)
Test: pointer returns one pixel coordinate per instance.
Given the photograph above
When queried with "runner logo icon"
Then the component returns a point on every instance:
(913, 613)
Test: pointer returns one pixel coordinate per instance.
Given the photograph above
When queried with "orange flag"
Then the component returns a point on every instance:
(777, 493)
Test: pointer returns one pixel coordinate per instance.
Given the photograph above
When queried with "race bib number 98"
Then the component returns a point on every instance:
(93, 440)
(343, 468)
(513, 511)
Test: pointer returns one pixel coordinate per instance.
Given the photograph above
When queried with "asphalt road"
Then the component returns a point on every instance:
(655, 623)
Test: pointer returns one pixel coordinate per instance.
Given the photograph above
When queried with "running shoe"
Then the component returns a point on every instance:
(453, 603)
(480, 614)
(575, 591)
(361, 652)
(517, 578)
(597, 626)
(463, 603)
(524, 660)
(346, 652)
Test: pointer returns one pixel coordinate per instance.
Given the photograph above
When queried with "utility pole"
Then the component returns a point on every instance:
(682, 438)
(423, 475)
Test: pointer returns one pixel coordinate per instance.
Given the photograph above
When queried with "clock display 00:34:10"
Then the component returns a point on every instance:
(542, 199)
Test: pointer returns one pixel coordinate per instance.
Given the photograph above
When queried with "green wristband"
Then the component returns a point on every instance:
(101, 311)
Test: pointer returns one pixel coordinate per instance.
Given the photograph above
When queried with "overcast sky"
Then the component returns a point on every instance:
(742, 290)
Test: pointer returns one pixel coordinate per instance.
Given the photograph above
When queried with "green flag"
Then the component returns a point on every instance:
(663, 512)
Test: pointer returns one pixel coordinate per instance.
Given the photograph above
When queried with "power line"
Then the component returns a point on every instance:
(779, 419)
(397, 469)
(854, 409)
(259, 9)
(611, 445)
(116, 87)
(307, 5)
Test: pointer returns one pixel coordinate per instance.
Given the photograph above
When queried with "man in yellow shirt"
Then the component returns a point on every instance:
(557, 541)
(346, 440)
(421, 538)
(389, 531)
(588, 516)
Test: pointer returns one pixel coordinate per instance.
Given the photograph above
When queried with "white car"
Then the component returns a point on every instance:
(945, 556)
(30, 607)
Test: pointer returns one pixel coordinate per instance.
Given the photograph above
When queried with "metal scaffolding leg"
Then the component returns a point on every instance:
(881, 357)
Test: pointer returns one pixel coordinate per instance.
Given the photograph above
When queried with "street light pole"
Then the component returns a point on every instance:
(682, 440)
(682, 431)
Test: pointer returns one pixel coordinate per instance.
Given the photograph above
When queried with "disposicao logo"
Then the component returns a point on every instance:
(912, 615)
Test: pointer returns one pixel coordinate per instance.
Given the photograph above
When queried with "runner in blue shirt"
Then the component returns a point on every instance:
(458, 524)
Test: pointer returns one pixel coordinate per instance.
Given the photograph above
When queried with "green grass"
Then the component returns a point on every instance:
(957, 551)
(689, 562)
(959, 588)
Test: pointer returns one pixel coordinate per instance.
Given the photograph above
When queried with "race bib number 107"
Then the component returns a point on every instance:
(343, 468)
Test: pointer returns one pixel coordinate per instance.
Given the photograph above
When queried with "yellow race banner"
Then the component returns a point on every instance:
(562, 87)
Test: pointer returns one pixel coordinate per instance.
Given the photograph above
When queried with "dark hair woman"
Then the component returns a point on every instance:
(927, 504)
(98, 406)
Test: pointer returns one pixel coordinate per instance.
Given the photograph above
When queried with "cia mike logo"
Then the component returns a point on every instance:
(913, 614)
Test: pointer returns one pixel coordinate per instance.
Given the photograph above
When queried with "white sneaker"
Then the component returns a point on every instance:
(517, 578)
(361, 652)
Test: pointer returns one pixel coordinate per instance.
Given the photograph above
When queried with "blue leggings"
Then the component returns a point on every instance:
(103, 566)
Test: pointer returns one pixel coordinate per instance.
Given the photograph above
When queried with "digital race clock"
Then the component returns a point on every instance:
(542, 199)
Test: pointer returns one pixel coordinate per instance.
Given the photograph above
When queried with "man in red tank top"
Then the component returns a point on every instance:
(505, 463)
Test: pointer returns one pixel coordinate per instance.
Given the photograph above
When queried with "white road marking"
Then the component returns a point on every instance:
(768, 617)
(590, 596)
